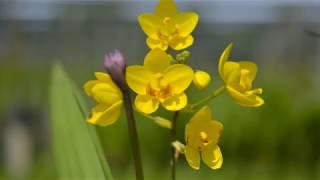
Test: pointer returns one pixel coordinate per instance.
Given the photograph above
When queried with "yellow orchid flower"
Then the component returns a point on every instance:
(109, 98)
(201, 79)
(159, 82)
(168, 27)
(202, 135)
(238, 77)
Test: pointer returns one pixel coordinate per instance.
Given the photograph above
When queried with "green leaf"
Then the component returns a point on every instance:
(77, 150)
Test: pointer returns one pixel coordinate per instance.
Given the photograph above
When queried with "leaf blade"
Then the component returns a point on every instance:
(78, 153)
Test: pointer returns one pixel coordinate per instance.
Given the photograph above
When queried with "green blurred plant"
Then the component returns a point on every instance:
(77, 150)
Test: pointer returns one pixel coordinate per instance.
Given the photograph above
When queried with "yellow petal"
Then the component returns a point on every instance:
(214, 129)
(105, 115)
(224, 58)
(180, 43)
(157, 60)
(105, 88)
(102, 76)
(233, 77)
(191, 134)
(146, 104)
(106, 94)
(176, 102)
(88, 86)
(211, 128)
(166, 8)
(251, 67)
(201, 127)
(186, 22)
(149, 24)
(204, 114)
(193, 157)
(156, 43)
(201, 79)
(179, 77)
(229, 68)
(138, 78)
(212, 157)
(202, 121)
(252, 100)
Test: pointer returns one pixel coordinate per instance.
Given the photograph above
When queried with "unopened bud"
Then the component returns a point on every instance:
(201, 79)
(179, 148)
(163, 122)
(115, 65)
(183, 57)
(114, 60)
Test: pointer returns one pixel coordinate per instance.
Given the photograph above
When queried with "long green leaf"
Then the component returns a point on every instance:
(77, 151)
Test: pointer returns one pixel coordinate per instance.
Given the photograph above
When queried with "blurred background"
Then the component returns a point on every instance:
(280, 140)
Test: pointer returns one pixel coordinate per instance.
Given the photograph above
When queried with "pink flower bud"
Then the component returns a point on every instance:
(115, 65)
(114, 60)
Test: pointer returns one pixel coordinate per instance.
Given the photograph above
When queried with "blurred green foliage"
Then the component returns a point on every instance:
(77, 151)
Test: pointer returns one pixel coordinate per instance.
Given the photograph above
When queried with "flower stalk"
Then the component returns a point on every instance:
(133, 135)
(116, 66)
(193, 107)
(173, 139)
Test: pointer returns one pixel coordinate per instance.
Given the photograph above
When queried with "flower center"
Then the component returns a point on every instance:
(159, 88)
(168, 31)
(245, 82)
(254, 91)
(166, 20)
(204, 138)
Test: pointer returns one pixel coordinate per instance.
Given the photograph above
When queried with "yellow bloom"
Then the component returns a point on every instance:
(202, 135)
(168, 27)
(201, 79)
(159, 82)
(238, 77)
(109, 99)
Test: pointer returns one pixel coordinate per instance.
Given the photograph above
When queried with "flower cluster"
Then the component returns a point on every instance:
(163, 79)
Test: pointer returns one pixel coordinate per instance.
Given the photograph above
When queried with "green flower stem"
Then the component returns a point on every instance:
(133, 135)
(173, 139)
(205, 100)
